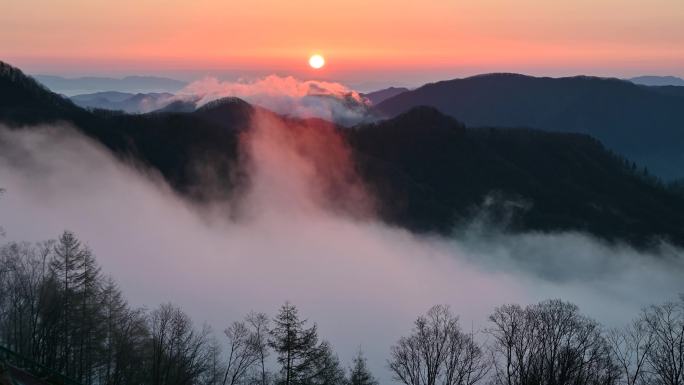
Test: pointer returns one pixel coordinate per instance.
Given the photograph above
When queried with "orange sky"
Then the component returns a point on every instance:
(620, 37)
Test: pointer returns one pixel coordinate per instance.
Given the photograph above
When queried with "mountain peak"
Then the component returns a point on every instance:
(228, 109)
(426, 115)
(228, 101)
(379, 96)
(23, 99)
(10, 73)
(418, 121)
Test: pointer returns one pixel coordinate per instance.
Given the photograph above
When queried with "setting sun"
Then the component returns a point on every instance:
(316, 61)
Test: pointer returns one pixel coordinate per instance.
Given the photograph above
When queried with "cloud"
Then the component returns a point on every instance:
(303, 230)
(288, 96)
(150, 103)
(300, 167)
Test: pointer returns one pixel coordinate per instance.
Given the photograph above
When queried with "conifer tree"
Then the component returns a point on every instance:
(326, 369)
(359, 373)
(295, 345)
(66, 265)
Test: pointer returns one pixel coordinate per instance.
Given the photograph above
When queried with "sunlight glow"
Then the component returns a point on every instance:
(316, 61)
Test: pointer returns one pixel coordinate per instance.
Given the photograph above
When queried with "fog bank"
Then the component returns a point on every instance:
(362, 281)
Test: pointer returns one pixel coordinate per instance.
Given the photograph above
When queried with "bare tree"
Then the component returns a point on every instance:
(242, 353)
(549, 343)
(631, 346)
(215, 371)
(438, 352)
(666, 356)
(2, 231)
(514, 349)
(180, 354)
(24, 270)
(466, 362)
(258, 324)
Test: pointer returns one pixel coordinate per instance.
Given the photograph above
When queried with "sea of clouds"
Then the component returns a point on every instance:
(279, 239)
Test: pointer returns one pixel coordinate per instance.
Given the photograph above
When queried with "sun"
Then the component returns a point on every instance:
(316, 61)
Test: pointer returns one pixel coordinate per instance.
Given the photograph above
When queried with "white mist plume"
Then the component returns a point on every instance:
(287, 96)
(149, 103)
(362, 281)
(300, 168)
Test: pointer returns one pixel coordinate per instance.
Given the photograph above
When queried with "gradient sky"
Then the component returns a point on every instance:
(362, 40)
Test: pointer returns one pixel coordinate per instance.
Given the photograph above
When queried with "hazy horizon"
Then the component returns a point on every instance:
(408, 43)
(386, 79)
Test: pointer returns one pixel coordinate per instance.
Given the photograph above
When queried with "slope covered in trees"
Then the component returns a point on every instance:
(435, 171)
(644, 124)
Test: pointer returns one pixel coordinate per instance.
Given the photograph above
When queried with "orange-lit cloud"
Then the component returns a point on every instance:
(288, 96)
(211, 88)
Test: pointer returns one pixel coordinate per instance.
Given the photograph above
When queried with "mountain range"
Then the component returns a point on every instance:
(428, 171)
(90, 84)
(124, 101)
(645, 124)
(658, 80)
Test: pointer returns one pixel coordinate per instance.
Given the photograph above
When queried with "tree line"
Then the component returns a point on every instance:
(59, 310)
(549, 343)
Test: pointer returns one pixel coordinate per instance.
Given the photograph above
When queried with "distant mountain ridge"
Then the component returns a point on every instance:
(90, 84)
(379, 96)
(657, 80)
(110, 96)
(644, 124)
(429, 172)
(124, 101)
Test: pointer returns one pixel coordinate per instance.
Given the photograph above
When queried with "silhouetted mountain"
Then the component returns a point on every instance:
(186, 148)
(122, 101)
(431, 172)
(428, 171)
(379, 96)
(25, 101)
(108, 96)
(179, 106)
(180, 146)
(228, 109)
(658, 81)
(668, 90)
(90, 84)
(644, 124)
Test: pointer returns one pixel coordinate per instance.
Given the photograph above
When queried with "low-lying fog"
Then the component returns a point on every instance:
(362, 281)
